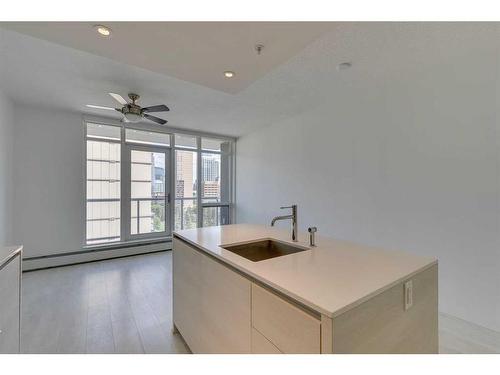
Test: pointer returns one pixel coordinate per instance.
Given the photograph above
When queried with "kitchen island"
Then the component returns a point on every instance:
(337, 297)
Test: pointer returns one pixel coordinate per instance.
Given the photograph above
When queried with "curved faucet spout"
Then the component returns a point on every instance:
(292, 217)
(277, 218)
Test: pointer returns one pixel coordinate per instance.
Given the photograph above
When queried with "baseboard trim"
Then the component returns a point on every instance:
(460, 336)
(86, 256)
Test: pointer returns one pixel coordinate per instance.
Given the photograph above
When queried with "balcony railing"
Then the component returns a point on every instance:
(182, 220)
(106, 235)
(213, 213)
(138, 203)
(138, 206)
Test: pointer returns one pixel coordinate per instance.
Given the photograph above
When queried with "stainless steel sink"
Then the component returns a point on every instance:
(263, 249)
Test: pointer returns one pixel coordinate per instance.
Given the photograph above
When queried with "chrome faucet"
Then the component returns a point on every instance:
(293, 217)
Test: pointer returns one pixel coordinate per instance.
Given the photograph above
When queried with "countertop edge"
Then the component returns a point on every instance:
(376, 292)
(16, 250)
(319, 309)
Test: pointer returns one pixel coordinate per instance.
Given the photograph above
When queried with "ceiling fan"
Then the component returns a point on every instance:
(132, 112)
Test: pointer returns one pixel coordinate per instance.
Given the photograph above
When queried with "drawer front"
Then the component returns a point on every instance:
(288, 327)
(9, 307)
(261, 345)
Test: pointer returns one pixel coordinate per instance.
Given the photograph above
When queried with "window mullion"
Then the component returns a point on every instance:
(173, 182)
(199, 183)
(124, 180)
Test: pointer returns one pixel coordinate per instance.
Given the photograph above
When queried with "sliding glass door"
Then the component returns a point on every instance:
(147, 208)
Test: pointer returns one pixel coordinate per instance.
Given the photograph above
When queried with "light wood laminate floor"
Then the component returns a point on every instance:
(115, 306)
(125, 306)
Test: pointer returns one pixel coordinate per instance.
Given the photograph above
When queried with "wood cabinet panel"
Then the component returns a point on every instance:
(187, 293)
(382, 325)
(225, 305)
(288, 327)
(211, 303)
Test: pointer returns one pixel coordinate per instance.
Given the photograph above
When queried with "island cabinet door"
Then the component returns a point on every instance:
(211, 303)
(187, 293)
(9, 306)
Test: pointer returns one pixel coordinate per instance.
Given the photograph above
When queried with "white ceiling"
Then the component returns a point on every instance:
(42, 73)
(197, 52)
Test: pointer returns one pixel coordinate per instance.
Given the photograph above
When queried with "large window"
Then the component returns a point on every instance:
(186, 188)
(132, 174)
(204, 203)
(103, 183)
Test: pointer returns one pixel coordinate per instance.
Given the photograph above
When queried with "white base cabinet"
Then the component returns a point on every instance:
(10, 303)
(218, 310)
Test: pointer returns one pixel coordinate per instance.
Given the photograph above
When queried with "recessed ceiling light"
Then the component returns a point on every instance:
(103, 30)
(228, 74)
(344, 65)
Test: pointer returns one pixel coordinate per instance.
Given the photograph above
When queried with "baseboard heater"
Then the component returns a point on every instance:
(95, 254)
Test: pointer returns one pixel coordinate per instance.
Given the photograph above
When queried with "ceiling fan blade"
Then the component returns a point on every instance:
(100, 107)
(118, 98)
(155, 119)
(156, 108)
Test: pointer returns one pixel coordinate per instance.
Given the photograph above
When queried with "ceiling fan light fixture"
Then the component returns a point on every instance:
(103, 30)
(133, 112)
(132, 117)
(344, 65)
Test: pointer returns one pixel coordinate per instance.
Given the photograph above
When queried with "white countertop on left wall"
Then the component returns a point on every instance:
(8, 252)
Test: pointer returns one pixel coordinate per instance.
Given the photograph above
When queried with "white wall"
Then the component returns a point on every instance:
(6, 169)
(409, 161)
(49, 188)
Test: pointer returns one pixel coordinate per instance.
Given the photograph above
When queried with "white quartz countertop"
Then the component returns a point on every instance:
(6, 253)
(330, 278)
